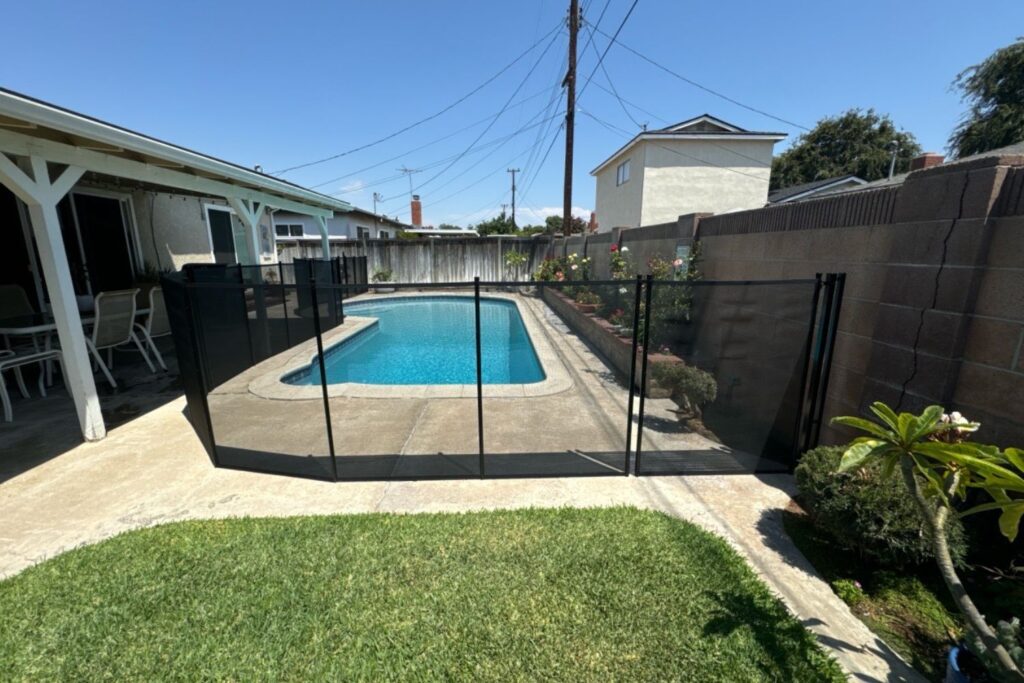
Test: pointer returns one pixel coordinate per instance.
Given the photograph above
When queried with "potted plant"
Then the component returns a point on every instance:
(938, 465)
(381, 275)
(587, 301)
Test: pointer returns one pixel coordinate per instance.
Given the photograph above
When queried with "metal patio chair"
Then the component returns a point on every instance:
(9, 360)
(14, 303)
(157, 324)
(114, 325)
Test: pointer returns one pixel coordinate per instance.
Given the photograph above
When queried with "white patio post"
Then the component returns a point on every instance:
(249, 213)
(41, 195)
(325, 243)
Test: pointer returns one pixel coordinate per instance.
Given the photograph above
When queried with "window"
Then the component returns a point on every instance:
(384, 235)
(362, 233)
(622, 173)
(288, 229)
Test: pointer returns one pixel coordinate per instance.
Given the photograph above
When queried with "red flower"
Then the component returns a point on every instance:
(614, 248)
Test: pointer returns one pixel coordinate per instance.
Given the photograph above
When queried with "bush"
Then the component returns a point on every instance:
(691, 387)
(585, 296)
(868, 514)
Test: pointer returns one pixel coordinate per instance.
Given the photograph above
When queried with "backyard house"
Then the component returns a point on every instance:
(87, 206)
(702, 165)
(816, 189)
(353, 224)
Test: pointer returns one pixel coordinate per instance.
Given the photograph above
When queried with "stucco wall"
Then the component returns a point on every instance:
(703, 176)
(173, 229)
(619, 206)
(344, 225)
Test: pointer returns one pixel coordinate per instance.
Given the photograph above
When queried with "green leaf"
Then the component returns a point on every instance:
(857, 455)
(906, 425)
(865, 426)
(1009, 521)
(926, 422)
(889, 465)
(968, 455)
(885, 414)
(1016, 458)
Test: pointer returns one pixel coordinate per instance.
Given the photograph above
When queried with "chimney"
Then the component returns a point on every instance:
(416, 211)
(592, 227)
(926, 160)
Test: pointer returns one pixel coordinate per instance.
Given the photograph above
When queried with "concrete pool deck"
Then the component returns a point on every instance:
(154, 470)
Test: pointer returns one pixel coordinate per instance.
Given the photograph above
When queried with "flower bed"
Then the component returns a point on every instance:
(602, 335)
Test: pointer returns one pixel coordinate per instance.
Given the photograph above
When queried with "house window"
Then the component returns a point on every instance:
(622, 173)
(288, 229)
(384, 235)
(362, 233)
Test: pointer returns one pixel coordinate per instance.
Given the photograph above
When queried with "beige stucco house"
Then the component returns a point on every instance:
(702, 165)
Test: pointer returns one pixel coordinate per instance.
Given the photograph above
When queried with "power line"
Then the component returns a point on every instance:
(428, 118)
(699, 85)
(609, 46)
(608, 78)
(496, 116)
(614, 128)
(543, 159)
(423, 146)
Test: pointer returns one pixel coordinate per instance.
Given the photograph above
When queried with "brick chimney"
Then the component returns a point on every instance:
(926, 160)
(592, 226)
(416, 211)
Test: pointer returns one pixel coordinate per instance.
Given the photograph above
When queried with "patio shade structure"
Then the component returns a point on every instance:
(45, 150)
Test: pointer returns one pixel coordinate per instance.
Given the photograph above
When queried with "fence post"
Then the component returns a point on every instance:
(643, 368)
(836, 284)
(803, 408)
(632, 372)
(479, 375)
(323, 370)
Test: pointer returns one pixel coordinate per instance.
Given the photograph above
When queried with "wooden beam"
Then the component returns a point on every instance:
(23, 145)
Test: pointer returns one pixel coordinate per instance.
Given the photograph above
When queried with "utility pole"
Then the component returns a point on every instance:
(570, 113)
(513, 171)
(377, 197)
(895, 147)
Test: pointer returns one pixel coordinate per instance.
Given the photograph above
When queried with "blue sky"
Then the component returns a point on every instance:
(284, 83)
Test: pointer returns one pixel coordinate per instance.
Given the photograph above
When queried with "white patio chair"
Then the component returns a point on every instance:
(14, 303)
(157, 323)
(114, 325)
(10, 360)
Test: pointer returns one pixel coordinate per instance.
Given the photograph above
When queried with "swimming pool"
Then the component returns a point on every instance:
(430, 340)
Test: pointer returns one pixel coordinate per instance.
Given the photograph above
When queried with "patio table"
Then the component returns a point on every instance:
(38, 327)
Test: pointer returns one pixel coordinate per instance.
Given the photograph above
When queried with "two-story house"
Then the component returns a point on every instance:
(703, 165)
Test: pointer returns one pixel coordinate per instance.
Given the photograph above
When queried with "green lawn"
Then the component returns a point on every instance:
(537, 594)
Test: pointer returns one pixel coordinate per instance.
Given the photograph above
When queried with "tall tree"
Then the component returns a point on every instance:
(856, 141)
(995, 91)
(553, 224)
(499, 225)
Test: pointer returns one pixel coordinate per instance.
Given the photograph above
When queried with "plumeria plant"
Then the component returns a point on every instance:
(939, 465)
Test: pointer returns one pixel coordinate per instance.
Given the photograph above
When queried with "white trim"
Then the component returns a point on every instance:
(131, 226)
(816, 190)
(209, 232)
(706, 118)
(43, 114)
(81, 157)
(641, 137)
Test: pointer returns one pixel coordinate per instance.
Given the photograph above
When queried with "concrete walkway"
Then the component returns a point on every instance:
(154, 470)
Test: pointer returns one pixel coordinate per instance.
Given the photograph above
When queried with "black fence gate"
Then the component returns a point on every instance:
(306, 369)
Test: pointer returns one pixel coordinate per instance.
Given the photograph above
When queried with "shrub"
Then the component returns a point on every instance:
(691, 387)
(381, 275)
(585, 296)
(867, 513)
(848, 591)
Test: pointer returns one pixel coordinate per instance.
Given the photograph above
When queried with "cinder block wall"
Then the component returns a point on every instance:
(935, 265)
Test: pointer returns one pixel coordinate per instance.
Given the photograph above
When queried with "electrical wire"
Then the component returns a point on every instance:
(608, 78)
(699, 85)
(428, 118)
(607, 47)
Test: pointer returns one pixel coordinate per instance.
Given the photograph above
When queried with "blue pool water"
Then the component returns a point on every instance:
(430, 340)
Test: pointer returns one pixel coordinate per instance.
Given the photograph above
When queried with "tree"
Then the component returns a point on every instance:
(856, 141)
(938, 465)
(499, 225)
(448, 226)
(553, 224)
(995, 91)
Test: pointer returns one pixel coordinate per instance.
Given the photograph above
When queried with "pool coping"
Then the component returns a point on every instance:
(270, 373)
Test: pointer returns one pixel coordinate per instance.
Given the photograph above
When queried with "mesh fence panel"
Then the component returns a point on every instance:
(401, 377)
(726, 368)
(555, 373)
